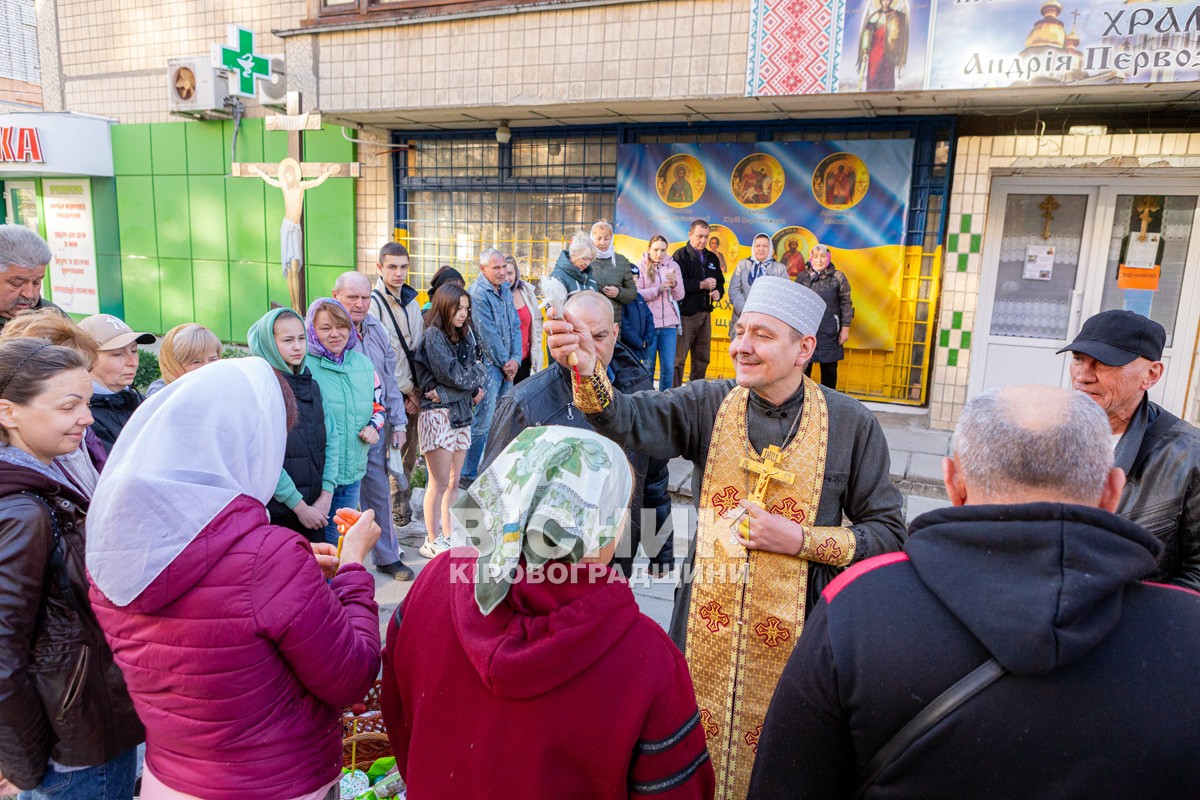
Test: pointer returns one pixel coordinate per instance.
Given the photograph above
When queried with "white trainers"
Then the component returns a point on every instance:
(436, 547)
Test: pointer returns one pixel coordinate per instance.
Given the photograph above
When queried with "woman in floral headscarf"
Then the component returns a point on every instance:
(542, 637)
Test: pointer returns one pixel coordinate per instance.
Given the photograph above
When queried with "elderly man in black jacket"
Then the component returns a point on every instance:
(1091, 688)
(1115, 360)
(545, 398)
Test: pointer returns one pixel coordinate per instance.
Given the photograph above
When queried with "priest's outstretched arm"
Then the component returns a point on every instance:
(677, 422)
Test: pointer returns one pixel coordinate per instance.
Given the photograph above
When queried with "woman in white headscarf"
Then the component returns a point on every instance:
(236, 652)
(527, 650)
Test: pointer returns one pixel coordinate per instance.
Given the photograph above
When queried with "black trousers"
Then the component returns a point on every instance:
(828, 372)
(523, 370)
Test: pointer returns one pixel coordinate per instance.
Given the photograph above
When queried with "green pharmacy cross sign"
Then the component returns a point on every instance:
(243, 63)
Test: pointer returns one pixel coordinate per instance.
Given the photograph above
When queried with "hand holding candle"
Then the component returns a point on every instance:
(357, 534)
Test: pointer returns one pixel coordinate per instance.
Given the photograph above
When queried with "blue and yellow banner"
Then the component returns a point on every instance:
(851, 196)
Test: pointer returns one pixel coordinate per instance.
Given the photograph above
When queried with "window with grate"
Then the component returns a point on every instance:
(456, 197)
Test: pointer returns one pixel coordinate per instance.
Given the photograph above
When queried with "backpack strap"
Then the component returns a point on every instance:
(58, 559)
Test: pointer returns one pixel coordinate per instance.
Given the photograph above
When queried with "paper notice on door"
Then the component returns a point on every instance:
(1138, 278)
(1039, 263)
(1142, 254)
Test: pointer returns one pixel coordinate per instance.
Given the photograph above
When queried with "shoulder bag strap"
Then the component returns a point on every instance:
(408, 353)
(941, 707)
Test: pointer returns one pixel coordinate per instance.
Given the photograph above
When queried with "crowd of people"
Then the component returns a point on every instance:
(184, 570)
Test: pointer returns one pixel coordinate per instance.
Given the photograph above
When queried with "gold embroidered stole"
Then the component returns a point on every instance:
(741, 630)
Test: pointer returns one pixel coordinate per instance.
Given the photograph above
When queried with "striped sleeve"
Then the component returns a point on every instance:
(378, 411)
(670, 761)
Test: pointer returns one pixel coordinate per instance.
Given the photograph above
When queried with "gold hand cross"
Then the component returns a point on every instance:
(767, 469)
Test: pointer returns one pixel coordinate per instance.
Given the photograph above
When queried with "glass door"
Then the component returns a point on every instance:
(1035, 262)
(20, 203)
(1150, 242)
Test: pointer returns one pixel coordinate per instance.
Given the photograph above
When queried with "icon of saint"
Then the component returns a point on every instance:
(882, 44)
(681, 190)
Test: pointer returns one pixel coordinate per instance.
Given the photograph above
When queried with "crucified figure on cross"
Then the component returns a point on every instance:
(291, 235)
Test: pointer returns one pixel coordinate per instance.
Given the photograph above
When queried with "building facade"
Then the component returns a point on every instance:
(486, 123)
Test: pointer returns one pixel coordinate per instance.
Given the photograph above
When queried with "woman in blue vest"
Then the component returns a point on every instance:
(350, 390)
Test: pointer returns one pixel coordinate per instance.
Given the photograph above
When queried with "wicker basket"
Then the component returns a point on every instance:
(362, 748)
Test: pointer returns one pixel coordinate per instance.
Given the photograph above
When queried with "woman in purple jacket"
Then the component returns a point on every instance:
(236, 652)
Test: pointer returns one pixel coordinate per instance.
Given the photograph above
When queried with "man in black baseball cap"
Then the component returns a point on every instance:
(1115, 360)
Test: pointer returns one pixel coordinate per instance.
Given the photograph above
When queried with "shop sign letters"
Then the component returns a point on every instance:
(20, 144)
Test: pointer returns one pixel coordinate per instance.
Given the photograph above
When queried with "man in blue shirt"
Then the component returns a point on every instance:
(499, 332)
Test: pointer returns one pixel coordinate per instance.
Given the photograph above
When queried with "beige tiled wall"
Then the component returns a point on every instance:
(374, 193)
(697, 48)
(976, 161)
(114, 55)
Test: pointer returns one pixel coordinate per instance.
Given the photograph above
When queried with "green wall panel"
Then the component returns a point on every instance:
(327, 144)
(108, 280)
(135, 214)
(249, 142)
(210, 282)
(245, 212)
(275, 146)
(320, 280)
(175, 292)
(108, 246)
(277, 288)
(329, 220)
(140, 282)
(172, 216)
(205, 148)
(247, 297)
(168, 148)
(207, 216)
(273, 217)
(104, 214)
(178, 240)
(131, 149)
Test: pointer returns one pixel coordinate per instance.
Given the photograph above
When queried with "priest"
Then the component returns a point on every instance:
(784, 461)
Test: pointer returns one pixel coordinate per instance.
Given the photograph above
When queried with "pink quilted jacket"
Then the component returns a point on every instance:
(239, 656)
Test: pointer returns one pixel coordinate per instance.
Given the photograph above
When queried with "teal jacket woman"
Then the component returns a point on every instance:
(350, 392)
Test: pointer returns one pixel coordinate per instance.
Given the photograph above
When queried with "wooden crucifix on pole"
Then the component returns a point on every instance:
(294, 178)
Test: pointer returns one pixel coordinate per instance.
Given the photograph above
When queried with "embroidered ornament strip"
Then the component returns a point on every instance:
(741, 632)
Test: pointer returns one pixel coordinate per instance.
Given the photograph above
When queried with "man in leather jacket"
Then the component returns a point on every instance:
(1115, 360)
(545, 398)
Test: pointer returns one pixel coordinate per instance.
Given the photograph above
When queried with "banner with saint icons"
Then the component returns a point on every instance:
(851, 196)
